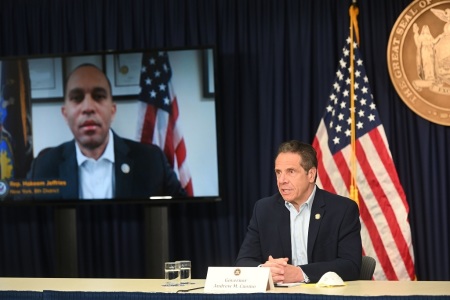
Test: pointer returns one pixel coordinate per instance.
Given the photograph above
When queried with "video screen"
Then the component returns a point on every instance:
(109, 126)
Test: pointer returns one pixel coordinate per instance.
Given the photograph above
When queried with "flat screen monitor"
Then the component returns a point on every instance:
(164, 98)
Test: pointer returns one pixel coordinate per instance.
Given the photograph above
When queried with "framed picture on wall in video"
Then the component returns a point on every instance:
(124, 71)
(46, 78)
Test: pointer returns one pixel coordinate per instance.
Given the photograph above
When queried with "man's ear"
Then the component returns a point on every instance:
(312, 173)
(113, 111)
(63, 112)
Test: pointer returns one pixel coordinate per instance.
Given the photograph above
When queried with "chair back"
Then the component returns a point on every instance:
(368, 264)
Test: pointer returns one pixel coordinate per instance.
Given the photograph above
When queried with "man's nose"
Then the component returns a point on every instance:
(281, 177)
(88, 104)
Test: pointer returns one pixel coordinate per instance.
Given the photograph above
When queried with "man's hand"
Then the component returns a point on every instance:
(282, 272)
(276, 266)
(293, 274)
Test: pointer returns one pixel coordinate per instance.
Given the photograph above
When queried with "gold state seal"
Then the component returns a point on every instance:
(418, 58)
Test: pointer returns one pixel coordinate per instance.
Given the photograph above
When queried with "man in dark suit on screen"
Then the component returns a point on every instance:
(302, 232)
(98, 164)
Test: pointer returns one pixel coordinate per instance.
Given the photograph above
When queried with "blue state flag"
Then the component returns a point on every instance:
(16, 152)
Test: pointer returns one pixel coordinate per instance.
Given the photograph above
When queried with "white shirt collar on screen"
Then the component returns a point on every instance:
(93, 174)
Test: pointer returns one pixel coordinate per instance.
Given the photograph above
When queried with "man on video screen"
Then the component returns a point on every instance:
(97, 163)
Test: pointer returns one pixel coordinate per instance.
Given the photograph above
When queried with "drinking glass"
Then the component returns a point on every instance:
(172, 273)
(185, 271)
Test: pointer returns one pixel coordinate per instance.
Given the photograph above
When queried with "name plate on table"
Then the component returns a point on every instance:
(238, 280)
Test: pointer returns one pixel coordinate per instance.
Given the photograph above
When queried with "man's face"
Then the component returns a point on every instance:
(294, 183)
(88, 107)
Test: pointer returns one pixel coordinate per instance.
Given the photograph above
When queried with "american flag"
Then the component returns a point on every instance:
(158, 121)
(385, 231)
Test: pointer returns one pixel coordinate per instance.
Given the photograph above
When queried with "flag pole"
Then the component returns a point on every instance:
(23, 104)
(353, 11)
